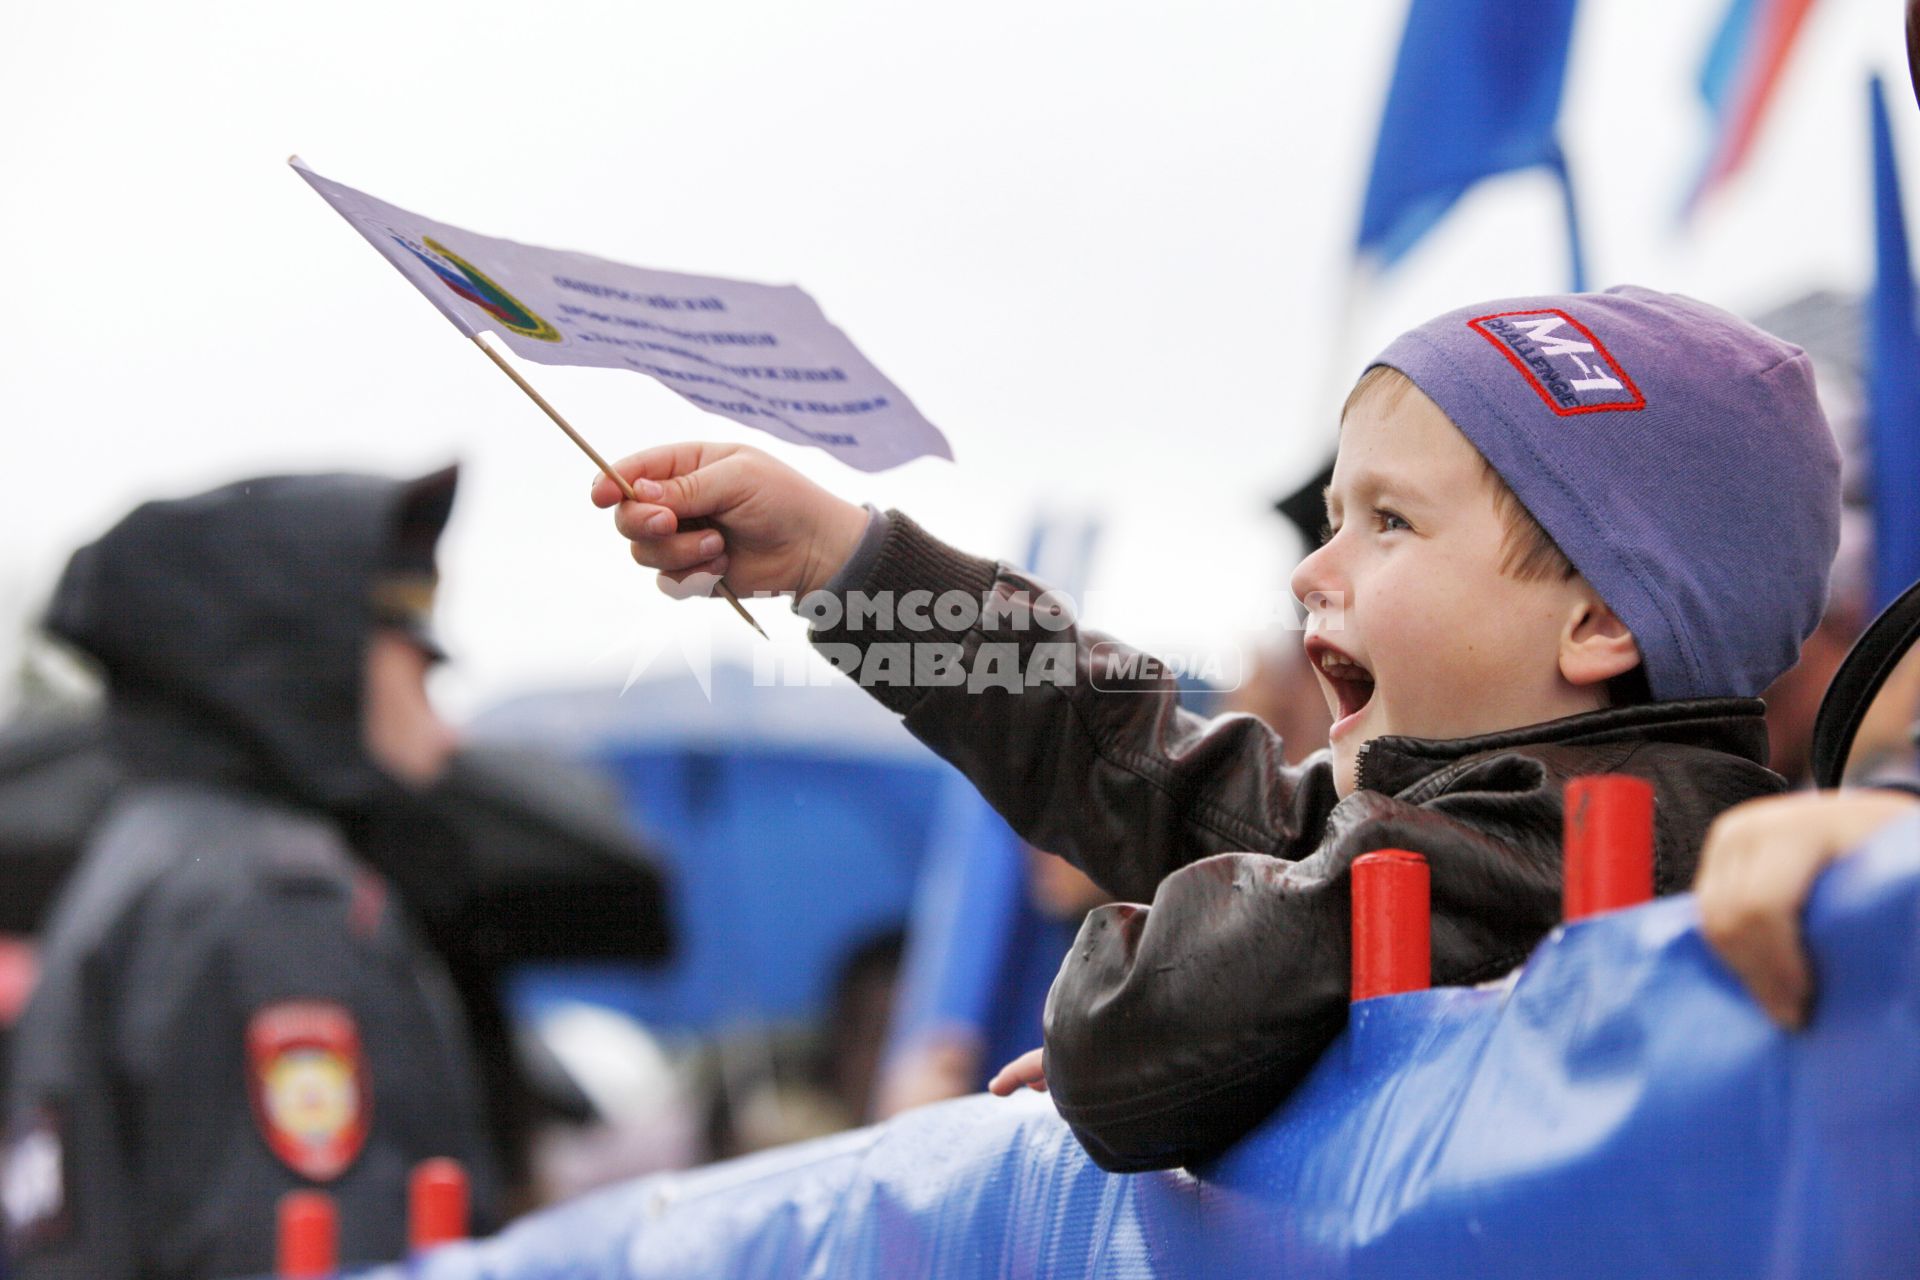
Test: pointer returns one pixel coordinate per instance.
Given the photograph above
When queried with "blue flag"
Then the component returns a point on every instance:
(1893, 378)
(1476, 92)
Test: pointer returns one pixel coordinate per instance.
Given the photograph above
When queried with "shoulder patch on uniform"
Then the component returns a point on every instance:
(308, 1080)
(34, 1182)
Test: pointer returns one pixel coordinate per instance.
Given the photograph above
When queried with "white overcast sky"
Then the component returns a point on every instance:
(1103, 246)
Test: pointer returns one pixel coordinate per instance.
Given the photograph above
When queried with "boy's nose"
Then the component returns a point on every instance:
(1315, 580)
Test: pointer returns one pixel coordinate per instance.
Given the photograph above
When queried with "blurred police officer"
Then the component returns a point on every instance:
(233, 1003)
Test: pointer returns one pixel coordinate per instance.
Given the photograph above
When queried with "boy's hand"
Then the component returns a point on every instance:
(1023, 1070)
(1757, 866)
(730, 509)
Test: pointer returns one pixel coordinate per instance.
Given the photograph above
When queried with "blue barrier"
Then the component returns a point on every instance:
(1619, 1108)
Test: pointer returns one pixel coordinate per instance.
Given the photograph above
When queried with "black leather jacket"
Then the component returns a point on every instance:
(1174, 1028)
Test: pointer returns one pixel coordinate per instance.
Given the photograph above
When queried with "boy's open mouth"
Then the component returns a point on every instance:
(1351, 683)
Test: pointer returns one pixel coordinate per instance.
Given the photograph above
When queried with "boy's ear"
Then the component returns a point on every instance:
(1595, 646)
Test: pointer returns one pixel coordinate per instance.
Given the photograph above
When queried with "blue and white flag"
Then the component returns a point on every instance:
(762, 355)
(1476, 92)
(1738, 78)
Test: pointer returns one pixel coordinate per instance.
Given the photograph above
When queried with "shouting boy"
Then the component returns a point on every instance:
(1567, 535)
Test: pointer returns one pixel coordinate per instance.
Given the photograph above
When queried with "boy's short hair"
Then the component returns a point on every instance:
(1675, 454)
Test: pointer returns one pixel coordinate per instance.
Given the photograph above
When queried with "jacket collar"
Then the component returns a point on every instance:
(1736, 726)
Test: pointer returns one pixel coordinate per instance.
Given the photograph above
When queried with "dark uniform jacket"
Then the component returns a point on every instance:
(1173, 1029)
(234, 1002)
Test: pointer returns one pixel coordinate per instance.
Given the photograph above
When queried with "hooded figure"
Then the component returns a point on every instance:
(232, 1003)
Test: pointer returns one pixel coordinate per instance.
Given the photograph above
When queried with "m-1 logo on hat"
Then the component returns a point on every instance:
(1562, 359)
(309, 1085)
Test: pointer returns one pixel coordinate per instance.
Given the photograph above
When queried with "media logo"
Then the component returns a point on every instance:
(1117, 668)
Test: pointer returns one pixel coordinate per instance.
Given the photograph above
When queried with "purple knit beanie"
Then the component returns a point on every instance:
(1677, 455)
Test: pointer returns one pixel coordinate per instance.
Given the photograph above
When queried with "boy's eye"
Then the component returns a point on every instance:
(1389, 521)
(1326, 532)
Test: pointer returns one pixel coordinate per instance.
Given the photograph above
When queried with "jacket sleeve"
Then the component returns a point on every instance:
(65, 1183)
(1173, 1029)
(1075, 738)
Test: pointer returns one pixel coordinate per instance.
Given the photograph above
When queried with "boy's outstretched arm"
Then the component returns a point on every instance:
(1105, 769)
(1078, 740)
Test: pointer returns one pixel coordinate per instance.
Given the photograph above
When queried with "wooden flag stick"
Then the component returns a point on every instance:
(480, 341)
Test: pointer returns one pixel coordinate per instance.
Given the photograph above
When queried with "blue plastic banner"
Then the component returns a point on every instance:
(1618, 1108)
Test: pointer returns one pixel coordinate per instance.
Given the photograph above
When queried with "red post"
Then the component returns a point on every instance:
(1392, 950)
(309, 1236)
(437, 1203)
(1609, 844)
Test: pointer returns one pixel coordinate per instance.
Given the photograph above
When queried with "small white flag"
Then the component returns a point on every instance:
(763, 355)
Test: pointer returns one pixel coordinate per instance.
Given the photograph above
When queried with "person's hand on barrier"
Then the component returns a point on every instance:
(1757, 866)
(1026, 1070)
(712, 509)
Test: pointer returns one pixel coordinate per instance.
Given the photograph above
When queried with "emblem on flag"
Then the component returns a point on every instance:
(309, 1085)
(472, 284)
